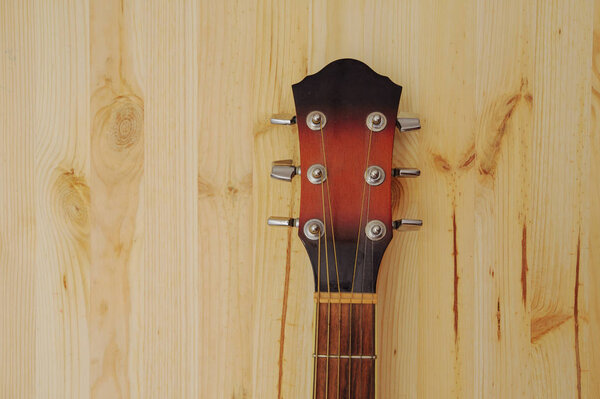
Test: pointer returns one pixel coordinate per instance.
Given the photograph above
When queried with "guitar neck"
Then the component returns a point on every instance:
(344, 366)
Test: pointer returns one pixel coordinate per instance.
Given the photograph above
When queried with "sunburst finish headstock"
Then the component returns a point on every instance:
(346, 117)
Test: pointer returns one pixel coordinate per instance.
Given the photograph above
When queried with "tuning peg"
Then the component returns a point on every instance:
(281, 221)
(407, 124)
(284, 170)
(283, 119)
(405, 172)
(407, 224)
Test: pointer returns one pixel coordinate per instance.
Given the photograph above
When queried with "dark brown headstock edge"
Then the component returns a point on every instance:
(346, 91)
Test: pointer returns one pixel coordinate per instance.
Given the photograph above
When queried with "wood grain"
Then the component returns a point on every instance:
(590, 275)
(226, 120)
(45, 184)
(62, 200)
(135, 261)
(117, 157)
(502, 291)
(18, 223)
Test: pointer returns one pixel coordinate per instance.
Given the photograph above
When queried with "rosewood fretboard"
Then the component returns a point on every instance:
(345, 343)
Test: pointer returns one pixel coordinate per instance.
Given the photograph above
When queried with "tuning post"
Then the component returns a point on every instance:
(316, 174)
(316, 120)
(284, 170)
(376, 121)
(406, 172)
(408, 124)
(283, 119)
(314, 229)
(283, 221)
(407, 224)
(375, 230)
(374, 175)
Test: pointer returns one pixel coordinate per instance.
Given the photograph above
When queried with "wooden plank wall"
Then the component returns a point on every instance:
(135, 261)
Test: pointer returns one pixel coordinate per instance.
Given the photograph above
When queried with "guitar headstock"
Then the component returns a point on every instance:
(346, 117)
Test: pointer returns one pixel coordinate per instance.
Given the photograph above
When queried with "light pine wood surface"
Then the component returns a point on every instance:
(135, 260)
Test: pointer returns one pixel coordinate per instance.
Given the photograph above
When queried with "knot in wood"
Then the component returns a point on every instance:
(71, 202)
(125, 124)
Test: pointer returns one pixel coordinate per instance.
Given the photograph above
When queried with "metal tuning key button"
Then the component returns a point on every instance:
(406, 172)
(375, 230)
(314, 229)
(407, 224)
(283, 119)
(376, 121)
(316, 173)
(407, 124)
(284, 170)
(316, 120)
(374, 175)
(282, 221)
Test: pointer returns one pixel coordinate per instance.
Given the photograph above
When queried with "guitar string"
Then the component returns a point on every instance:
(328, 294)
(362, 294)
(328, 286)
(373, 376)
(362, 203)
(317, 312)
(337, 274)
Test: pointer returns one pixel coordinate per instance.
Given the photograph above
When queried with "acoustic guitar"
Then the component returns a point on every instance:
(346, 116)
